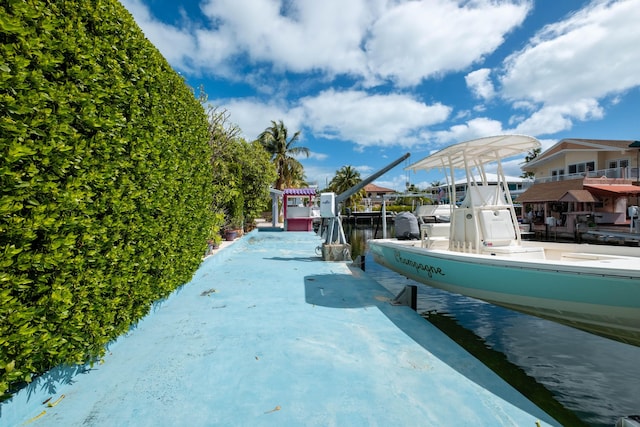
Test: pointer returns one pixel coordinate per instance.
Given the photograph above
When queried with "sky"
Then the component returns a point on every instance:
(366, 81)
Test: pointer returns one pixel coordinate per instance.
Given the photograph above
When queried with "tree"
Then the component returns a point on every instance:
(256, 173)
(104, 183)
(283, 151)
(242, 172)
(345, 178)
(531, 155)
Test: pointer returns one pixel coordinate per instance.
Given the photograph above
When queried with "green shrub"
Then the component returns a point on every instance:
(105, 200)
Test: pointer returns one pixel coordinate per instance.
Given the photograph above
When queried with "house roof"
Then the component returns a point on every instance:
(574, 190)
(583, 196)
(372, 188)
(577, 144)
(614, 189)
(549, 191)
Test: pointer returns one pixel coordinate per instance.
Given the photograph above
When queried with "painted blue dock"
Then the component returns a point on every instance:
(267, 333)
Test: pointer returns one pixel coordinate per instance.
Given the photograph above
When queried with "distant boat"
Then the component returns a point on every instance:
(480, 253)
(433, 213)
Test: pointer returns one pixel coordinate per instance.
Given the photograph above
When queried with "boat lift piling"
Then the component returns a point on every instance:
(335, 246)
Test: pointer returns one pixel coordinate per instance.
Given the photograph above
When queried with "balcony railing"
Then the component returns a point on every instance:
(623, 173)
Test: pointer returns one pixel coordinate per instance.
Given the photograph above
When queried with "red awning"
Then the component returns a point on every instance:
(614, 188)
(299, 191)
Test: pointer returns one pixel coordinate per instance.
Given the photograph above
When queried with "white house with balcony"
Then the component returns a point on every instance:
(583, 180)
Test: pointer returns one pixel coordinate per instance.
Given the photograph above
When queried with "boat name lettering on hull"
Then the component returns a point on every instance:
(429, 269)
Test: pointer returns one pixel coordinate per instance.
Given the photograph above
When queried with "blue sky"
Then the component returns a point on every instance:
(366, 81)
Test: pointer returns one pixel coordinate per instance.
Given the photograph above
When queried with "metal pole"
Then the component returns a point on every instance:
(384, 218)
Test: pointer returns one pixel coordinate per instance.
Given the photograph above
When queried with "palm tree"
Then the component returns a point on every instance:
(531, 155)
(346, 177)
(282, 150)
(294, 175)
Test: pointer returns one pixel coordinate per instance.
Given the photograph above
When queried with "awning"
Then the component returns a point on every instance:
(579, 196)
(616, 189)
(299, 191)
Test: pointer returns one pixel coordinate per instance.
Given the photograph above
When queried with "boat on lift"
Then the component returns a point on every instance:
(480, 252)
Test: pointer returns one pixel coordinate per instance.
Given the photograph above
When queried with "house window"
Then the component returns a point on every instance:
(616, 168)
(557, 174)
(622, 163)
(581, 168)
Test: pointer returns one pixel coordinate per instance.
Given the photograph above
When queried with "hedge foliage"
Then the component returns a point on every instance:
(241, 172)
(105, 168)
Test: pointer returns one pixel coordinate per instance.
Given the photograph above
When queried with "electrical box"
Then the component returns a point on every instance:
(327, 205)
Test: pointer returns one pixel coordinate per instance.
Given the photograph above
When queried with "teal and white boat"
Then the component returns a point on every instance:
(480, 253)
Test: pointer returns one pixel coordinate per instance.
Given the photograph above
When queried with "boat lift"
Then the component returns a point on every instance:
(335, 246)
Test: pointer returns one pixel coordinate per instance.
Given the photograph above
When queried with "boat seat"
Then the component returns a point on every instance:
(432, 232)
(497, 227)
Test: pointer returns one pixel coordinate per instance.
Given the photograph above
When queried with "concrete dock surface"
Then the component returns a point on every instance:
(266, 333)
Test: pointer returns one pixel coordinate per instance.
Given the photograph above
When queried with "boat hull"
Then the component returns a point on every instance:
(601, 300)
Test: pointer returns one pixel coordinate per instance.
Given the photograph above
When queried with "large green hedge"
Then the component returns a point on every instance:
(104, 181)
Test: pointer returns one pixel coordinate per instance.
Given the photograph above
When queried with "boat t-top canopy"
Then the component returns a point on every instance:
(477, 152)
(485, 216)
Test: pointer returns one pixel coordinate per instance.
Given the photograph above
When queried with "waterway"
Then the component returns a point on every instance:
(596, 378)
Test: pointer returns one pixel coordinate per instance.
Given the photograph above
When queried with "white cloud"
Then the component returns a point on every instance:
(370, 119)
(472, 129)
(294, 36)
(176, 44)
(253, 116)
(317, 156)
(568, 66)
(366, 120)
(418, 39)
(589, 55)
(320, 175)
(551, 119)
(368, 39)
(365, 170)
(480, 83)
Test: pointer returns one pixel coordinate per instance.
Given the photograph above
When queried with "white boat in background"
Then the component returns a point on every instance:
(480, 253)
(433, 213)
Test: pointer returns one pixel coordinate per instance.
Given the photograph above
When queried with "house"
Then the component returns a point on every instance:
(516, 184)
(580, 181)
(375, 193)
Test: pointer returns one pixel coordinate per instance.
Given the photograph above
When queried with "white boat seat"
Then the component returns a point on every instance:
(497, 227)
(432, 232)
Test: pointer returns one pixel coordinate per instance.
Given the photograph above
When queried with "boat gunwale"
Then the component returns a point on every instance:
(612, 269)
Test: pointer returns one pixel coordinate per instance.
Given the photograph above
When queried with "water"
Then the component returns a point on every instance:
(596, 378)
